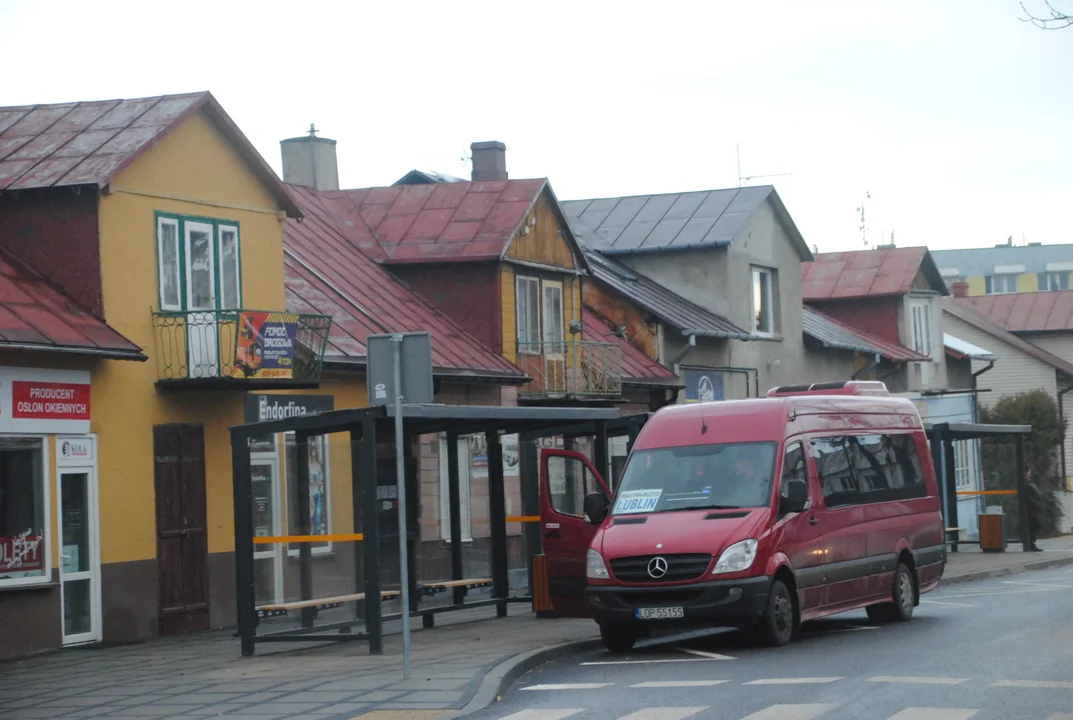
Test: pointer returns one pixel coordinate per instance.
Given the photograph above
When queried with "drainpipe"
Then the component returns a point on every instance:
(1062, 447)
(690, 344)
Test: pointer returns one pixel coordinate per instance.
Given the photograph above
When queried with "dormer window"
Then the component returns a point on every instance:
(763, 301)
(198, 264)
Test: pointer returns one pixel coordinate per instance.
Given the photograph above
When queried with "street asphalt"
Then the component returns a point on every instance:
(999, 649)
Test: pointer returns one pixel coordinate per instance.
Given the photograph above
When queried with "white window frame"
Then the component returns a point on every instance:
(766, 276)
(963, 464)
(552, 345)
(920, 314)
(289, 439)
(1054, 281)
(531, 321)
(1006, 278)
(464, 480)
(161, 223)
(46, 480)
(190, 228)
(221, 302)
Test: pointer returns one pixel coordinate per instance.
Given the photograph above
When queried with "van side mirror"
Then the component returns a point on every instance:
(796, 498)
(596, 507)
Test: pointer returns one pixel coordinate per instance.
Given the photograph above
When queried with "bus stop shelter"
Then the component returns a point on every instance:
(944, 435)
(369, 430)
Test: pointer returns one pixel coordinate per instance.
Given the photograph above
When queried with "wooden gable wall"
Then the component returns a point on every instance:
(545, 241)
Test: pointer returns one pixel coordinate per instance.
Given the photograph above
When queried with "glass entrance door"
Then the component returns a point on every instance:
(79, 571)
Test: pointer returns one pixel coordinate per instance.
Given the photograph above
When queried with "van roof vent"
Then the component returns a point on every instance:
(847, 387)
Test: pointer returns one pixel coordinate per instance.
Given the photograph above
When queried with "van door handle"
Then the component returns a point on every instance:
(813, 521)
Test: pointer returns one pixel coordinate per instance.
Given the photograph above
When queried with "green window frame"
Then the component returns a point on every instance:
(177, 238)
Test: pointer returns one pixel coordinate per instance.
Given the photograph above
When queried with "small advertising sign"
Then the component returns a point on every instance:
(24, 552)
(264, 347)
(703, 385)
(45, 401)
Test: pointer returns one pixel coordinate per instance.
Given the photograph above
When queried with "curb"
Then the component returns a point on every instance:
(496, 682)
(1012, 570)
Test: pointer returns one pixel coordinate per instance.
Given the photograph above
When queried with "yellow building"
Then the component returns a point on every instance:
(1007, 268)
(143, 310)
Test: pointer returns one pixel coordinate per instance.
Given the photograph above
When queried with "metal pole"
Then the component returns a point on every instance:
(400, 482)
(243, 503)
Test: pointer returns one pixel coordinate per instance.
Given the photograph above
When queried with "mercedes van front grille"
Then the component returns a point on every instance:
(678, 568)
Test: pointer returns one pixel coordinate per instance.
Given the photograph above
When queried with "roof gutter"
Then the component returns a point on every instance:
(718, 334)
(663, 248)
(135, 355)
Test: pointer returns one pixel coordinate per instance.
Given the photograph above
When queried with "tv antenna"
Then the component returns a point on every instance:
(741, 178)
(863, 227)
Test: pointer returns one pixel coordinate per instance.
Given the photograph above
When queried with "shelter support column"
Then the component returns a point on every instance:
(242, 490)
(529, 474)
(455, 498)
(1027, 540)
(364, 469)
(305, 552)
(497, 512)
(950, 486)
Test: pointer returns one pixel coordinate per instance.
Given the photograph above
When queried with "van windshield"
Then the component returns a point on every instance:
(728, 475)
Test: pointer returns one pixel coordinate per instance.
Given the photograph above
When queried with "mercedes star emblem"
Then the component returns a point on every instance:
(657, 567)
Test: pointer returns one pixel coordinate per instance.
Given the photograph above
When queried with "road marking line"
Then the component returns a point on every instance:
(703, 654)
(917, 680)
(569, 686)
(1052, 684)
(947, 604)
(1061, 716)
(542, 714)
(663, 713)
(646, 662)
(795, 681)
(678, 683)
(1039, 584)
(923, 713)
(791, 712)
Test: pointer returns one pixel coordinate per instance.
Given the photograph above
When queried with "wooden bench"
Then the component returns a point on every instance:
(281, 609)
(435, 588)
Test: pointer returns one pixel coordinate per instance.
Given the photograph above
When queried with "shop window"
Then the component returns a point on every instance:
(463, 491)
(199, 267)
(320, 515)
(763, 315)
(964, 453)
(23, 523)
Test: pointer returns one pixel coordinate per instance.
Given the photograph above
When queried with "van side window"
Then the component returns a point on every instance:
(865, 469)
(832, 458)
(793, 468)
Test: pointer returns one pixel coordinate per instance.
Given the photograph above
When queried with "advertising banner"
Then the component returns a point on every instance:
(264, 347)
(22, 553)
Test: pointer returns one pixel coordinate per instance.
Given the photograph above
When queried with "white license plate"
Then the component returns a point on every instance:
(660, 613)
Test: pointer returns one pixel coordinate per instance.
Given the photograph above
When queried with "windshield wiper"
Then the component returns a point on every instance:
(702, 507)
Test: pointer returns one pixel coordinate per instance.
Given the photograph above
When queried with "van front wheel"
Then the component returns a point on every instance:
(617, 639)
(777, 625)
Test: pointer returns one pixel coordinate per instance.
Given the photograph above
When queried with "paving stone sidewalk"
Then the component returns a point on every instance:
(203, 676)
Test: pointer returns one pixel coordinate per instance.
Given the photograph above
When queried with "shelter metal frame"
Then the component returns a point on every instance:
(943, 436)
(367, 427)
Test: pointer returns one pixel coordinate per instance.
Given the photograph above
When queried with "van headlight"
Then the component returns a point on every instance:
(595, 567)
(736, 558)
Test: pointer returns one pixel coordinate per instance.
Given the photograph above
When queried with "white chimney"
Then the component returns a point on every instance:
(310, 161)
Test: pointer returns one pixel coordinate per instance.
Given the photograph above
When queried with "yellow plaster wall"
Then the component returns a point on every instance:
(193, 171)
(1027, 282)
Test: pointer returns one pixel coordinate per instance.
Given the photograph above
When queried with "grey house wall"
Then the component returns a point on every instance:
(720, 280)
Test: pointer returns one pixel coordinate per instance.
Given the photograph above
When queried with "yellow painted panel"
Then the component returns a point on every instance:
(544, 242)
(510, 317)
(977, 285)
(1027, 282)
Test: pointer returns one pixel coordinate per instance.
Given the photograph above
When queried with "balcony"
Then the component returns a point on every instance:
(239, 349)
(572, 369)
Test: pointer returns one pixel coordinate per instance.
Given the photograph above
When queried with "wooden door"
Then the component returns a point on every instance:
(182, 538)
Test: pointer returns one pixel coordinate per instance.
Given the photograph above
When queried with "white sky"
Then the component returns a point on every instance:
(953, 114)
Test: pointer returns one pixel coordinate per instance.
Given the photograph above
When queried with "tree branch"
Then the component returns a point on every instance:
(1057, 20)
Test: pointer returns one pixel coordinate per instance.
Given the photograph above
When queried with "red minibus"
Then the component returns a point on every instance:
(760, 513)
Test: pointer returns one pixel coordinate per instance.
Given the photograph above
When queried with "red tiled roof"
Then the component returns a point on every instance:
(1026, 312)
(463, 221)
(636, 366)
(968, 314)
(326, 274)
(895, 352)
(867, 273)
(36, 316)
(90, 143)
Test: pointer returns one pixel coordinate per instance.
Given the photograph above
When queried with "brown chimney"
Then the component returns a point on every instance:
(961, 289)
(489, 160)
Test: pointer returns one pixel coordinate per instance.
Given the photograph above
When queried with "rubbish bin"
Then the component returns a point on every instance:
(993, 530)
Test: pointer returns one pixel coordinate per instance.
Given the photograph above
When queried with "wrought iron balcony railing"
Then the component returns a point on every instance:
(571, 368)
(246, 348)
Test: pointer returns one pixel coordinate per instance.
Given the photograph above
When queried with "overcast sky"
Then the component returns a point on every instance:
(953, 114)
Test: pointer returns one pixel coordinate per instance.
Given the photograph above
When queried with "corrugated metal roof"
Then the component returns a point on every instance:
(867, 273)
(438, 222)
(982, 261)
(34, 315)
(962, 349)
(90, 143)
(1027, 312)
(836, 334)
(670, 308)
(636, 366)
(426, 177)
(675, 221)
(968, 314)
(326, 274)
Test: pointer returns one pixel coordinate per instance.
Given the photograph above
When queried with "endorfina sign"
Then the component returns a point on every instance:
(261, 407)
(44, 401)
